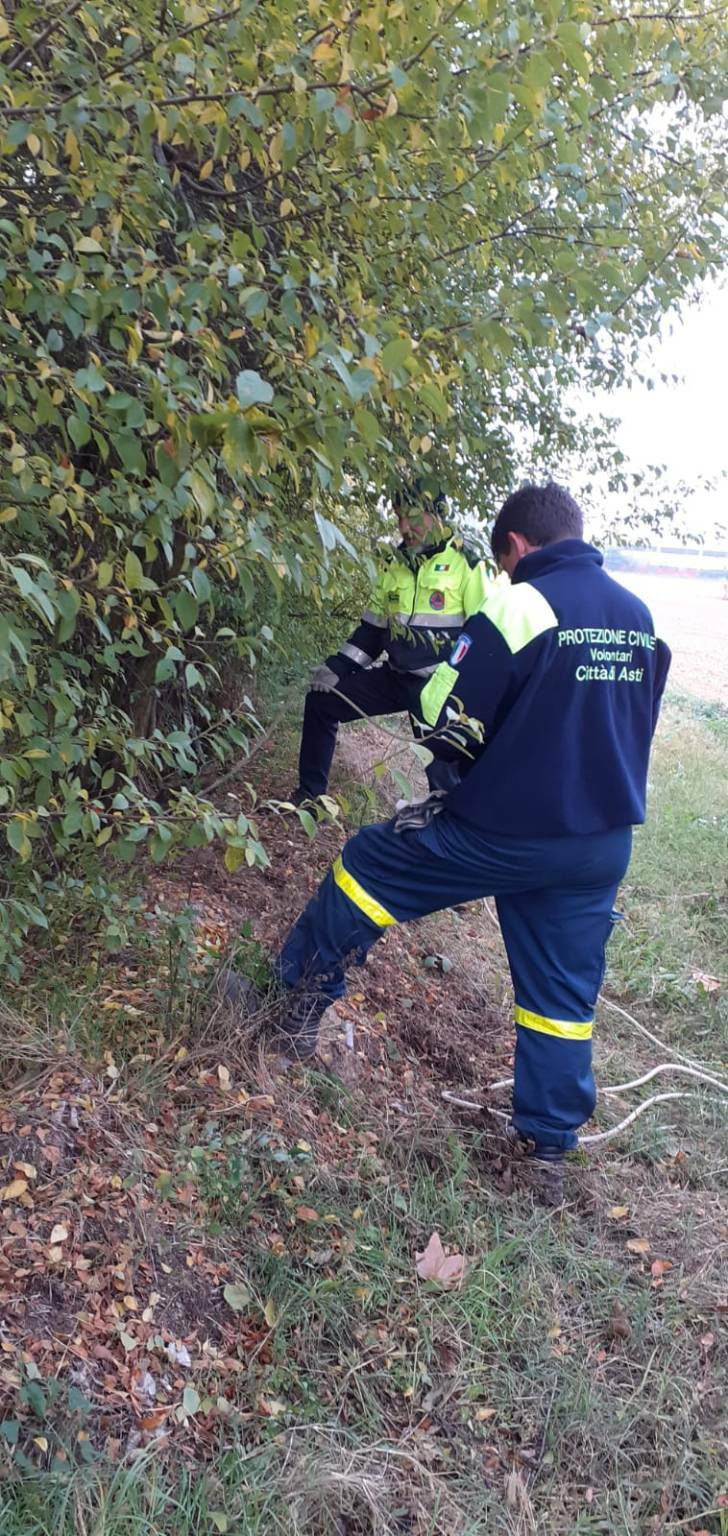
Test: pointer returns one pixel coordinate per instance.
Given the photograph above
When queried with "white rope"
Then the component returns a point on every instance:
(649, 1035)
(637, 1082)
(665, 1066)
(657, 1098)
(688, 1068)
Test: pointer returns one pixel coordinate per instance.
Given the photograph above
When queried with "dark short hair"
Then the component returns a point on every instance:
(542, 513)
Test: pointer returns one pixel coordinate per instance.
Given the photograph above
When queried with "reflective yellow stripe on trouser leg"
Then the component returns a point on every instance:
(564, 1029)
(361, 898)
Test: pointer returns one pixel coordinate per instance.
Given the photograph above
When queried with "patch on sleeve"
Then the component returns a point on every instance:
(461, 650)
(436, 692)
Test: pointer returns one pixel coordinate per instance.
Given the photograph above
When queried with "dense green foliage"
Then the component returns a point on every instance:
(257, 262)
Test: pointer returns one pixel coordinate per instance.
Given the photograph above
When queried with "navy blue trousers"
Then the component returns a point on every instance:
(373, 691)
(555, 899)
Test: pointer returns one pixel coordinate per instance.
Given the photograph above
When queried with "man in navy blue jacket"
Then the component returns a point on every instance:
(550, 697)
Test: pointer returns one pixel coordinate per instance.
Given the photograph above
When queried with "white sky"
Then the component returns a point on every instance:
(685, 425)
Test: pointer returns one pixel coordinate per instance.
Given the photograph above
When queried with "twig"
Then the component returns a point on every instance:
(50, 27)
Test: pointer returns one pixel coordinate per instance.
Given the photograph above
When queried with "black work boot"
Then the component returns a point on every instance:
(239, 993)
(299, 1026)
(541, 1168)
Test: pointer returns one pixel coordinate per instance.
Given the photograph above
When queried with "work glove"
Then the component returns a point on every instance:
(416, 814)
(323, 679)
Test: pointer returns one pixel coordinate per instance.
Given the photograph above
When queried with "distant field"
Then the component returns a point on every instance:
(692, 616)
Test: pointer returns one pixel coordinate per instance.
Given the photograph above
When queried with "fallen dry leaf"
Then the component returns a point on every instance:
(237, 1297)
(224, 1078)
(270, 1313)
(658, 1268)
(708, 983)
(306, 1213)
(618, 1212)
(27, 1169)
(638, 1245)
(14, 1189)
(434, 1264)
(619, 1324)
(59, 1234)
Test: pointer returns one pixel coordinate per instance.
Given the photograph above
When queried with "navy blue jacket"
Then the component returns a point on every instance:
(561, 677)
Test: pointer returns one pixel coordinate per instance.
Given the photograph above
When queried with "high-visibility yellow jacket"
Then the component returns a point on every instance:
(420, 603)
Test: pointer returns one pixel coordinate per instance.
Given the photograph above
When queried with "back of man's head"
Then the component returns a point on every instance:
(541, 514)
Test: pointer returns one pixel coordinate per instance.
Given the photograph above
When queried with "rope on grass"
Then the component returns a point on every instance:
(615, 1130)
(657, 1098)
(637, 1082)
(643, 1030)
(664, 1066)
(682, 1064)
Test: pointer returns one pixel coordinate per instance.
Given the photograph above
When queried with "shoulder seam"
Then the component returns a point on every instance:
(520, 614)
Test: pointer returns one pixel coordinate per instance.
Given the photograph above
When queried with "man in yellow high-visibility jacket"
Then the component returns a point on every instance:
(425, 591)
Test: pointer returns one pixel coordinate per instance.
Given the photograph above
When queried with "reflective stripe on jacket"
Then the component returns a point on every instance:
(419, 605)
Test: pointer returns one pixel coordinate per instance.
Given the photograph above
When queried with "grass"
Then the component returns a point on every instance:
(568, 1387)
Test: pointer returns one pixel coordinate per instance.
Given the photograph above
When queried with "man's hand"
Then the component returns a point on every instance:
(323, 679)
(419, 813)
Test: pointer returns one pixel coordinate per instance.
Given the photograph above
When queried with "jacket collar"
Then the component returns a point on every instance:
(563, 555)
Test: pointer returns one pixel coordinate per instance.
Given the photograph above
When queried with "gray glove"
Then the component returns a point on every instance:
(323, 679)
(419, 813)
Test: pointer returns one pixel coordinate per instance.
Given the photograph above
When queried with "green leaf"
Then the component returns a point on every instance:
(90, 378)
(87, 246)
(79, 431)
(186, 608)
(133, 572)
(10, 1429)
(252, 389)
(201, 584)
(234, 857)
(396, 353)
(130, 452)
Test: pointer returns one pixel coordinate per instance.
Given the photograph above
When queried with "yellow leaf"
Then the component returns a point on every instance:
(41, 1442)
(4, 28)
(392, 105)
(206, 170)
(270, 1314)
(7, 514)
(59, 1233)
(33, 143)
(324, 51)
(14, 1189)
(618, 1211)
(638, 1245)
(286, 207)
